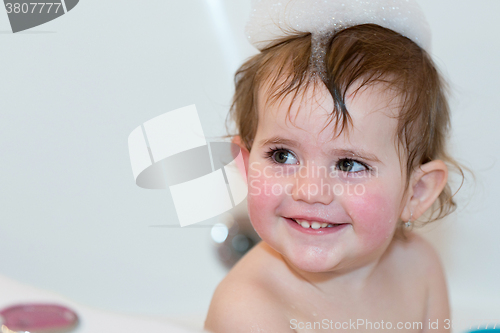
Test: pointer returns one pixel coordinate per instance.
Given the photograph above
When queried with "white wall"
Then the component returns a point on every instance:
(71, 91)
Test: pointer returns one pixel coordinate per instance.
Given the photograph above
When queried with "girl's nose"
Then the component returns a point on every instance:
(313, 185)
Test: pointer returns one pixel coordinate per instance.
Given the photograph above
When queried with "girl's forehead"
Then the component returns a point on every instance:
(313, 109)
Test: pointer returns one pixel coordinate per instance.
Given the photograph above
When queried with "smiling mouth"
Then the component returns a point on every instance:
(315, 225)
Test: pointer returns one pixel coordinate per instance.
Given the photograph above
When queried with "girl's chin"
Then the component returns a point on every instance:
(312, 262)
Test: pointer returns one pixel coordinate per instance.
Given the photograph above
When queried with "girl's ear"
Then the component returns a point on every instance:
(425, 186)
(245, 154)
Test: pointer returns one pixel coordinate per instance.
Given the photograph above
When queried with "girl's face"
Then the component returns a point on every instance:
(301, 179)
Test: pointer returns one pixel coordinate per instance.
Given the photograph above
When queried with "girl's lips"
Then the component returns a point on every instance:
(311, 231)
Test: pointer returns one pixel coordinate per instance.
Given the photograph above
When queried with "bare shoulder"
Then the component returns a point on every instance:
(244, 301)
(419, 253)
(418, 256)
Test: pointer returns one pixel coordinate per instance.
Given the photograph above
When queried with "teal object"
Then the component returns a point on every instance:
(486, 330)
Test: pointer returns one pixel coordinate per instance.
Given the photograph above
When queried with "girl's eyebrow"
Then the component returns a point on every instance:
(359, 153)
(276, 140)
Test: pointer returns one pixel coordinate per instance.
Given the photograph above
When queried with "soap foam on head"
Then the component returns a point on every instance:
(271, 19)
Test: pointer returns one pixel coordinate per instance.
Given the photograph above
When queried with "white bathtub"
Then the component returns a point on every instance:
(93, 320)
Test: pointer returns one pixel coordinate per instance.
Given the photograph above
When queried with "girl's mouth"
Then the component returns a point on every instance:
(314, 227)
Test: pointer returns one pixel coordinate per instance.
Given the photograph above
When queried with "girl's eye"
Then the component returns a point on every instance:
(282, 156)
(348, 165)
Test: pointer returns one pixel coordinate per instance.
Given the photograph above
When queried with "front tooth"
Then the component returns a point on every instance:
(324, 225)
(315, 225)
(305, 224)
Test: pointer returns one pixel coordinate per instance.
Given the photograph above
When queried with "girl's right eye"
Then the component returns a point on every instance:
(281, 156)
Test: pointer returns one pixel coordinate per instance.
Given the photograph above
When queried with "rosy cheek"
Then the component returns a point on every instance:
(262, 200)
(374, 213)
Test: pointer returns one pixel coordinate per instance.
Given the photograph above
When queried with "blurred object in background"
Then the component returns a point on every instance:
(38, 318)
(233, 236)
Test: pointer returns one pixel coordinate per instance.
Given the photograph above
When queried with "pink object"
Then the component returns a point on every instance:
(36, 318)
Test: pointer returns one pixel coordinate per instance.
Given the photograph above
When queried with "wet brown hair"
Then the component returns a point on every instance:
(368, 54)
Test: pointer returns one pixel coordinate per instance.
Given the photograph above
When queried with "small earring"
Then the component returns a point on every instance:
(409, 223)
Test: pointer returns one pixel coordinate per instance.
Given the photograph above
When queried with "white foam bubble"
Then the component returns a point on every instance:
(270, 18)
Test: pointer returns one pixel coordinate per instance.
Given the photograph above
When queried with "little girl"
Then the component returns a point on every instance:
(342, 121)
